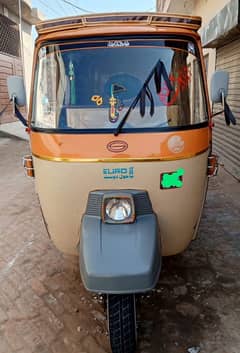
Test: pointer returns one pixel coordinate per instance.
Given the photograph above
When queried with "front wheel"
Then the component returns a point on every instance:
(121, 313)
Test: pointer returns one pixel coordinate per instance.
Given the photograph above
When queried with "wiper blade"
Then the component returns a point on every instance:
(158, 71)
(150, 97)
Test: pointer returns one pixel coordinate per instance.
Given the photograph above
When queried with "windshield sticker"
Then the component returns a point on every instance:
(97, 99)
(191, 48)
(118, 173)
(176, 144)
(42, 54)
(113, 102)
(71, 75)
(172, 180)
(180, 82)
(118, 43)
(113, 115)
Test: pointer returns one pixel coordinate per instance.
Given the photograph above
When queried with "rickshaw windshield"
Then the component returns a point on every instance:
(91, 85)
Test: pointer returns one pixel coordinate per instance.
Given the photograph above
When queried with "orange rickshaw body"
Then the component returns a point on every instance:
(67, 166)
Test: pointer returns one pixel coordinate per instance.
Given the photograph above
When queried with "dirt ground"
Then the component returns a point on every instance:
(45, 309)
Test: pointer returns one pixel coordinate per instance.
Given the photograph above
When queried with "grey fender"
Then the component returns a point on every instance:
(120, 258)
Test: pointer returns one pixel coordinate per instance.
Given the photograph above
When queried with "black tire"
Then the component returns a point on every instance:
(121, 313)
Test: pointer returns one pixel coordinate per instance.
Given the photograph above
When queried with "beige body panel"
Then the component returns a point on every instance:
(63, 189)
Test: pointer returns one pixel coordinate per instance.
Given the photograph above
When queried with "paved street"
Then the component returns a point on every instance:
(45, 309)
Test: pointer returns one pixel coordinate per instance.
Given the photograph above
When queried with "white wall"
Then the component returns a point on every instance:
(28, 48)
(207, 9)
(175, 6)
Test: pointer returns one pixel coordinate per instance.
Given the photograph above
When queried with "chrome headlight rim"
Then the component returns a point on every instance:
(118, 198)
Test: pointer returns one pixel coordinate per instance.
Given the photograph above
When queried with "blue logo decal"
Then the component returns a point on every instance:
(118, 173)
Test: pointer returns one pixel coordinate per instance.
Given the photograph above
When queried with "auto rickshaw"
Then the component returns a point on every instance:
(120, 131)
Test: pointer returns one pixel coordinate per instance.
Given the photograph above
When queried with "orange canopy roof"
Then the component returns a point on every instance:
(150, 19)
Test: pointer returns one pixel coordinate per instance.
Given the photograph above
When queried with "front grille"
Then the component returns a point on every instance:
(142, 204)
(94, 204)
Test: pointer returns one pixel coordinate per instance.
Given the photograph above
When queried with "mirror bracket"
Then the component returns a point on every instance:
(17, 112)
(223, 99)
(218, 113)
(13, 100)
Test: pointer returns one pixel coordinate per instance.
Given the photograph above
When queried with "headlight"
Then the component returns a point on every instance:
(118, 209)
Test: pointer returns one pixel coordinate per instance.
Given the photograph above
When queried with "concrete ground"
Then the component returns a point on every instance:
(15, 129)
(45, 309)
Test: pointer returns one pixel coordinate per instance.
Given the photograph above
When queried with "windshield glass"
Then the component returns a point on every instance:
(91, 85)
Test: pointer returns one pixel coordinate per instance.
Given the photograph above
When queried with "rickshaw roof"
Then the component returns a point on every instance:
(149, 19)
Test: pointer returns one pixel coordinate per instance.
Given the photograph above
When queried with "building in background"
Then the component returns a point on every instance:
(220, 35)
(12, 54)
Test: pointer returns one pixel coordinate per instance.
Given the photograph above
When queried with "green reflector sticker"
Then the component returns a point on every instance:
(172, 180)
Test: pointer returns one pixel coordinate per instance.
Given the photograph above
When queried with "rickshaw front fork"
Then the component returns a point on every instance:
(120, 258)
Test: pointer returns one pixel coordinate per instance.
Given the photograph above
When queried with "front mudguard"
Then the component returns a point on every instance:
(120, 258)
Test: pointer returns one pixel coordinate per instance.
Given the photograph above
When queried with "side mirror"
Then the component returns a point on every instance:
(219, 86)
(17, 95)
(16, 90)
(219, 92)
